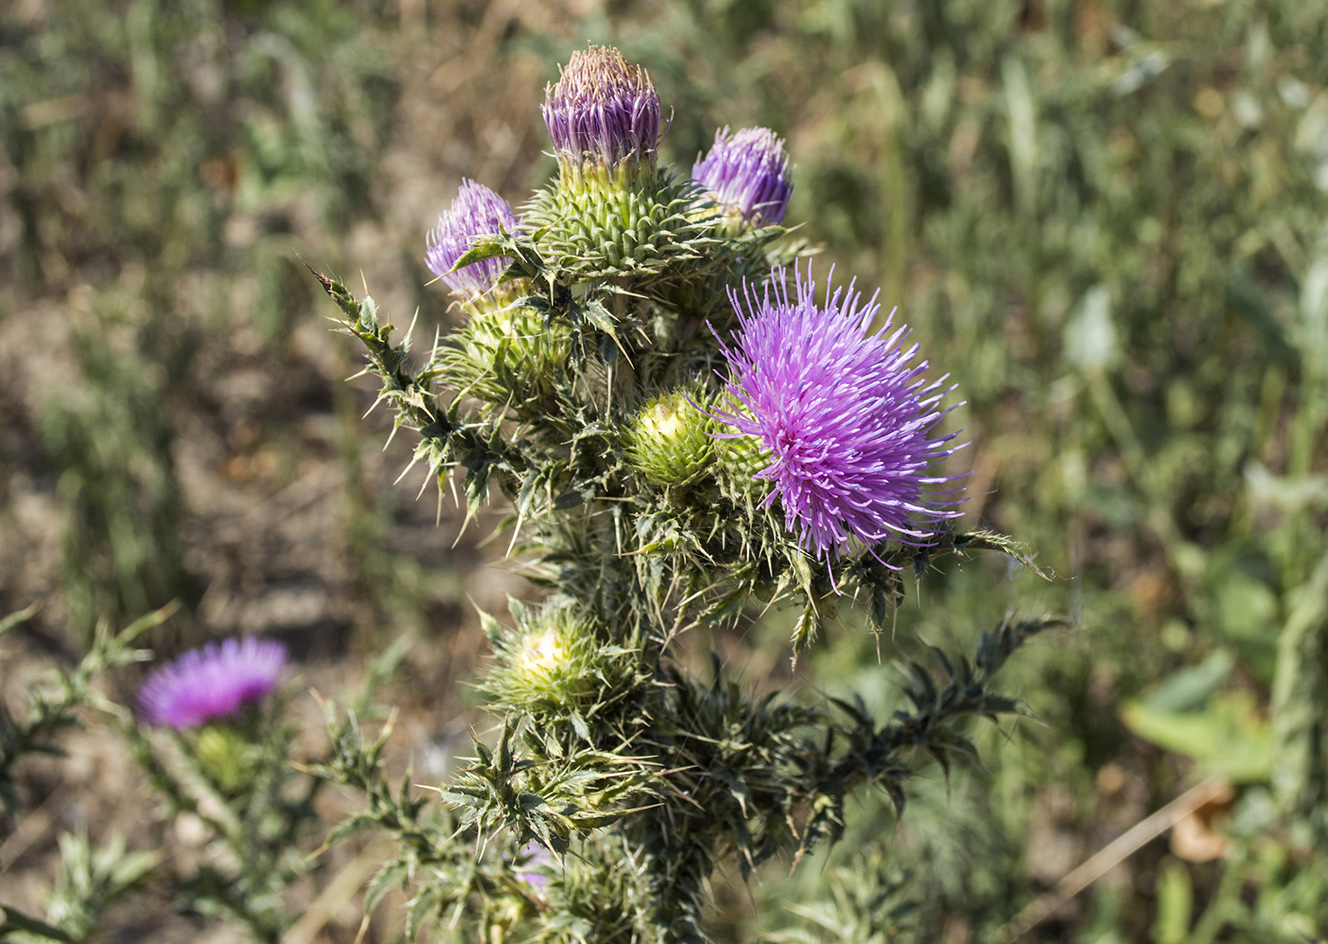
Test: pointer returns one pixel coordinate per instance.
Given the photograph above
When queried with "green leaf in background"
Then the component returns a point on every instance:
(1189, 689)
(1228, 737)
(1175, 901)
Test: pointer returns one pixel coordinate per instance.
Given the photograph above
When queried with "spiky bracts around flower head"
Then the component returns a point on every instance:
(557, 668)
(604, 231)
(843, 412)
(475, 213)
(669, 441)
(212, 683)
(603, 116)
(747, 174)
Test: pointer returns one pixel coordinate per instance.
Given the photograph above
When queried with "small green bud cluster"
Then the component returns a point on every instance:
(554, 661)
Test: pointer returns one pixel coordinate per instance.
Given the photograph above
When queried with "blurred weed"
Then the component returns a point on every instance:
(55, 701)
(108, 436)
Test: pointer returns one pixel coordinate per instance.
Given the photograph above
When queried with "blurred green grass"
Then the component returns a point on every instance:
(1105, 219)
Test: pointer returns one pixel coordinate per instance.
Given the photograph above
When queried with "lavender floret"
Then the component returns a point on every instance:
(843, 413)
(602, 111)
(476, 213)
(747, 172)
(212, 683)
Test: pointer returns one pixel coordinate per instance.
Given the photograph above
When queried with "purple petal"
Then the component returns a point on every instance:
(748, 173)
(212, 682)
(475, 214)
(844, 413)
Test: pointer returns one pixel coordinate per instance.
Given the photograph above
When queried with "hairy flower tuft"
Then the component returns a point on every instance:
(842, 412)
(747, 173)
(476, 213)
(602, 113)
(212, 683)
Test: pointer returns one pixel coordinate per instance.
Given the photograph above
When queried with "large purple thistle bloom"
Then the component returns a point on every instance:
(212, 683)
(747, 173)
(476, 213)
(602, 111)
(843, 412)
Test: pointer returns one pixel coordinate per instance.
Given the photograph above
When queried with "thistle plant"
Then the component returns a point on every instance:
(689, 432)
(210, 740)
(210, 737)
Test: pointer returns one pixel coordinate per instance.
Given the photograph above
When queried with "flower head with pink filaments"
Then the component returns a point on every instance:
(843, 412)
(212, 683)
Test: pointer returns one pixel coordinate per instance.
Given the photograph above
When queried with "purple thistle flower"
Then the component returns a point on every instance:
(212, 682)
(602, 112)
(476, 212)
(747, 173)
(844, 415)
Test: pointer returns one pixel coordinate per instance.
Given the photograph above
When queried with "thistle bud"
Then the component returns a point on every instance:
(747, 174)
(603, 117)
(669, 442)
(551, 662)
(509, 356)
(226, 756)
(476, 213)
(612, 212)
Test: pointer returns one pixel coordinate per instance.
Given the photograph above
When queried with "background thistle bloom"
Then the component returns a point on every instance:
(842, 413)
(747, 173)
(602, 112)
(212, 682)
(475, 213)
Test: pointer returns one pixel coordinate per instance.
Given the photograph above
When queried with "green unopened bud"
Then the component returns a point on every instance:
(739, 459)
(554, 662)
(669, 442)
(508, 356)
(226, 756)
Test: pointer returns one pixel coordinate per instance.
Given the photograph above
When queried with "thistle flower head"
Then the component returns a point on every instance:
(843, 413)
(553, 664)
(212, 683)
(747, 173)
(602, 114)
(476, 213)
(669, 440)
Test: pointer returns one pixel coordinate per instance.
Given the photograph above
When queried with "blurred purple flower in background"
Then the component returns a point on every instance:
(747, 173)
(533, 856)
(843, 414)
(602, 111)
(476, 213)
(212, 683)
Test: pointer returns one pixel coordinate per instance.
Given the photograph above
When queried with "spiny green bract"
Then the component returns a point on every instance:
(740, 458)
(558, 668)
(508, 356)
(669, 440)
(614, 231)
